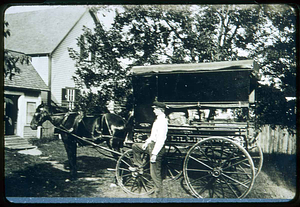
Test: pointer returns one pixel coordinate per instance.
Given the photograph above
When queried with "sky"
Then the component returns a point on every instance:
(17, 9)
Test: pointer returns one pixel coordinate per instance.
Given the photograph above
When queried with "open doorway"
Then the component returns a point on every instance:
(10, 113)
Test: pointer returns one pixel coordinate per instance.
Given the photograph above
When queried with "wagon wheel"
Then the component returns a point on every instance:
(217, 167)
(136, 181)
(256, 154)
(172, 162)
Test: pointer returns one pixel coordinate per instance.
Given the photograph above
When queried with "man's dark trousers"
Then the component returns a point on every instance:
(155, 168)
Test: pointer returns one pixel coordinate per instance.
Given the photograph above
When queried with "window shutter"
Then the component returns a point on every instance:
(77, 93)
(63, 94)
(93, 56)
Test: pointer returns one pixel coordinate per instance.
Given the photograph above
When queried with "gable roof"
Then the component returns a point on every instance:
(28, 78)
(39, 32)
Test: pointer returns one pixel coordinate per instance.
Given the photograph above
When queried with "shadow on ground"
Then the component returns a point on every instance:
(48, 180)
(282, 169)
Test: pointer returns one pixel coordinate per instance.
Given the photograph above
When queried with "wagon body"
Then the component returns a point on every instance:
(216, 153)
(195, 90)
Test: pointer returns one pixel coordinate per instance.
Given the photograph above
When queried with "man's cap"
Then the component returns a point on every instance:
(157, 104)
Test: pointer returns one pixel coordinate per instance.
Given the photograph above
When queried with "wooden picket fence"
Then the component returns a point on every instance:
(277, 140)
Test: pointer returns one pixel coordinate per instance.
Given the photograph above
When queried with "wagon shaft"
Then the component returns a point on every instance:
(88, 141)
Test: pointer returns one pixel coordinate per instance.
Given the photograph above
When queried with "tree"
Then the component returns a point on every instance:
(172, 34)
(273, 109)
(276, 48)
(147, 35)
(277, 57)
(10, 60)
(92, 103)
(98, 66)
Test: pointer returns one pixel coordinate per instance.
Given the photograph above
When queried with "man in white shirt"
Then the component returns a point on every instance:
(154, 146)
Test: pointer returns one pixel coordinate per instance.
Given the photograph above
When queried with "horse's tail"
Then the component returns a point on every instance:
(96, 131)
(129, 128)
(112, 143)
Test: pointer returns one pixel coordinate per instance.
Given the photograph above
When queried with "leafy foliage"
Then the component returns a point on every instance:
(272, 108)
(98, 66)
(10, 59)
(278, 54)
(91, 103)
(277, 58)
(172, 34)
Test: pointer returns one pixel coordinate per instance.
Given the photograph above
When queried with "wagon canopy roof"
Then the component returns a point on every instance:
(239, 65)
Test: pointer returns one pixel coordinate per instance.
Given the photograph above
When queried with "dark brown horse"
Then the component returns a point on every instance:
(92, 128)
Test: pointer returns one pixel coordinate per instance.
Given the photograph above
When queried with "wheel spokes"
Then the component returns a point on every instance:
(230, 187)
(172, 162)
(137, 182)
(201, 162)
(198, 179)
(234, 180)
(220, 165)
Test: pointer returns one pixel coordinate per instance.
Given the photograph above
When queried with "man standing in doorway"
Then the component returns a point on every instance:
(154, 146)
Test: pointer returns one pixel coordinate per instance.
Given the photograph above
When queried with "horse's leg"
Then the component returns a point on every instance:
(115, 127)
(116, 143)
(105, 129)
(71, 149)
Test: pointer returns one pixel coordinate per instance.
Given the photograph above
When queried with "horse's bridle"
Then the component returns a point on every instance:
(40, 117)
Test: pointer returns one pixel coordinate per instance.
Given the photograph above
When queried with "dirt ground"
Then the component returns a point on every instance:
(46, 175)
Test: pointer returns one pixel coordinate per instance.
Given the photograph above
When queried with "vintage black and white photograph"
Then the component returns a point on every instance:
(150, 103)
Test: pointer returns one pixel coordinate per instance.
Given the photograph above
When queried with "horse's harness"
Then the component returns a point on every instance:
(77, 119)
(61, 124)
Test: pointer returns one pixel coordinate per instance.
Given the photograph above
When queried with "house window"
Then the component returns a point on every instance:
(31, 106)
(85, 53)
(69, 97)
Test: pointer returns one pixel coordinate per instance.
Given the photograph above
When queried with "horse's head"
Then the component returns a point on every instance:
(41, 114)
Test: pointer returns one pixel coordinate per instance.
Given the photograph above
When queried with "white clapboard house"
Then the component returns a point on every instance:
(45, 36)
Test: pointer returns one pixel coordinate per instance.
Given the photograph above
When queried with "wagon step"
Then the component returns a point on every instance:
(111, 169)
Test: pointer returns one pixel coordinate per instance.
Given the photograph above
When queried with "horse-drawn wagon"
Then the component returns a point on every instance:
(212, 152)
(211, 137)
